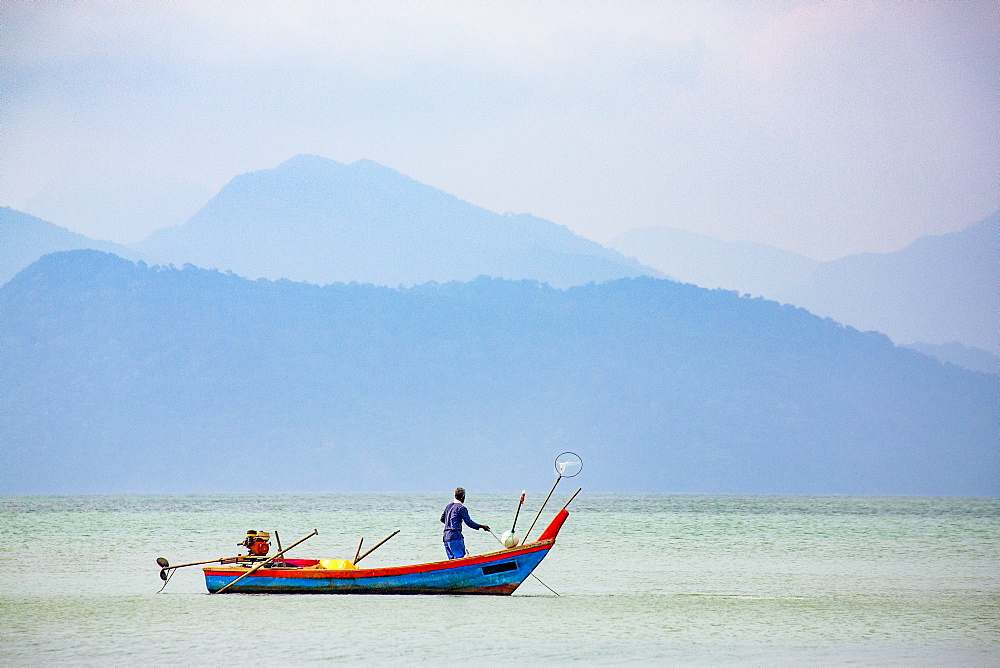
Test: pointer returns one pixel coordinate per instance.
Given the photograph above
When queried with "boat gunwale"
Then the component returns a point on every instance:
(382, 571)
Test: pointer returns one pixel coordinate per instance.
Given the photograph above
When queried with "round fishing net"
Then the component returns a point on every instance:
(568, 464)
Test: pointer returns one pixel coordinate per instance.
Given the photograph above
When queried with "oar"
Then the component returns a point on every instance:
(358, 551)
(532, 574)
(265, 563)
(519, 504)
(377, 545)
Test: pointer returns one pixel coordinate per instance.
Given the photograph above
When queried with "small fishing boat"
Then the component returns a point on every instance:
(496, 573)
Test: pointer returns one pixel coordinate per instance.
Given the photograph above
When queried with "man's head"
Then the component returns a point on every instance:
(460, 494)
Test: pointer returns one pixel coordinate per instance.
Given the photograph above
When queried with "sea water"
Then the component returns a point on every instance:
(642, 579)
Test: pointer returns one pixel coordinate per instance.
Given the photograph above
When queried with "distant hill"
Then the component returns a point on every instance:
(963, 356)
(317, 220)
(24, 239)
(101, 200)
(937, 290)
(757, 269)
(117, 377)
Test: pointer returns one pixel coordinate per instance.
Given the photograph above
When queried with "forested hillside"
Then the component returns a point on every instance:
(121, 377)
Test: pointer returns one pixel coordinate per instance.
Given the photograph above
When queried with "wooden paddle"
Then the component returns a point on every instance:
(377, 545)
(266, 562)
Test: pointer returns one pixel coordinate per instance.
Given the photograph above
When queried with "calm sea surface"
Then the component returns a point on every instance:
(644, 579)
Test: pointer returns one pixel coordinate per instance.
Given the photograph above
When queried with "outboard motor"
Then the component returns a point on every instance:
(257, 543)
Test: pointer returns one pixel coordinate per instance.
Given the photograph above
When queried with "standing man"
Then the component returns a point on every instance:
(454, 514)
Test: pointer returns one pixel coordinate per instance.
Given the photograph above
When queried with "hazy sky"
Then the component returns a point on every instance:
(824, 128)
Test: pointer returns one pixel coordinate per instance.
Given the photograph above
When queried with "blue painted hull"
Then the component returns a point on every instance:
(499, 574)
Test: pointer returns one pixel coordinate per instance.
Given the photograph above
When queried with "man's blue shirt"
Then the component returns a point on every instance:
(453, 516)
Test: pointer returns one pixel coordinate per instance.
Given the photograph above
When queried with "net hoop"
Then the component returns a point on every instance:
(568, 465)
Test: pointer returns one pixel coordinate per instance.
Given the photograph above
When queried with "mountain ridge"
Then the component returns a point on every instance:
(105, 365)
(315, 219)
(755, 268)
(938, 289)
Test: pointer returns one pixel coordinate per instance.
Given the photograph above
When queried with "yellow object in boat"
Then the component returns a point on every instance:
(335, 564)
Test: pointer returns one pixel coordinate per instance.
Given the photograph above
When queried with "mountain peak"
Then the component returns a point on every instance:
(318, 220)
(307, 160)
(312, 162)
(358, 174)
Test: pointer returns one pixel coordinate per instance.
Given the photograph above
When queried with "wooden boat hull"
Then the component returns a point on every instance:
(497, 574)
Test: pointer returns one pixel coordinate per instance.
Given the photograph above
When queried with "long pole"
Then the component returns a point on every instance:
(566, 505)
(167, 571)
(358, 551)
(519, 504)
(193, 563)
(524, 540)
(266, 562)
(377, 545)
(278, 538)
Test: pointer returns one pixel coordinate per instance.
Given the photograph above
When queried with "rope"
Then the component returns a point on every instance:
(531, 574)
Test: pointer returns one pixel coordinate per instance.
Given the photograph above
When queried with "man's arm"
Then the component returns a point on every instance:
(464, 514)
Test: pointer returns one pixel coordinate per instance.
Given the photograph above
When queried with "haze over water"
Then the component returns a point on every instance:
(681, 579)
